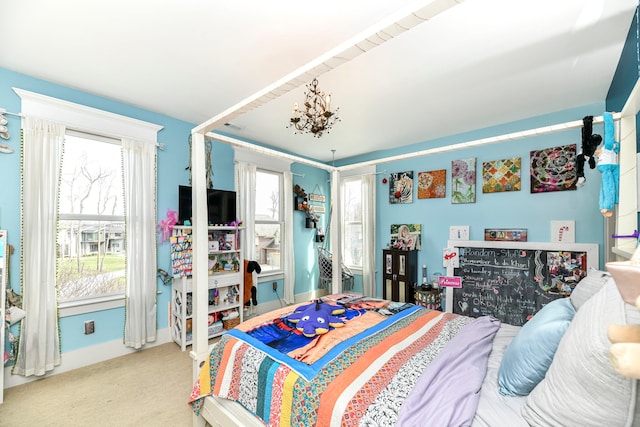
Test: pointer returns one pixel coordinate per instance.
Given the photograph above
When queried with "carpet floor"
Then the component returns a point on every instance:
(146, 388)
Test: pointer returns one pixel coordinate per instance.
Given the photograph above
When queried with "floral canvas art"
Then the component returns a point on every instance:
(501, 175)
(401, 187)
(432, 184)
(553, 169)
(463, 181)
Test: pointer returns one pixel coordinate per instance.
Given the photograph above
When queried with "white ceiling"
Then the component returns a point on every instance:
(477, 64)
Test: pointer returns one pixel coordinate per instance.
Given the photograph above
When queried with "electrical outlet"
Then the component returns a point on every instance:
(89, 327)
(275, 286)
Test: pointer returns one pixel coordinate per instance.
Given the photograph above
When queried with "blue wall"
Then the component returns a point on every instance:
(171, 172)
(517, 209)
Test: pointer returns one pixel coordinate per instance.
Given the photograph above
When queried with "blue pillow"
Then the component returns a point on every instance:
(531, 352)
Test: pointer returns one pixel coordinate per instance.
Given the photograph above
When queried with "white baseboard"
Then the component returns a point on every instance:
(85, 357)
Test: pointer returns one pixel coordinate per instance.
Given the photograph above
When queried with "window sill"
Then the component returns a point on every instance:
(269, 276)
(73, 308)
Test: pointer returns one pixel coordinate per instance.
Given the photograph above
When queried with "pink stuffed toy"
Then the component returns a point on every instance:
(165, 226)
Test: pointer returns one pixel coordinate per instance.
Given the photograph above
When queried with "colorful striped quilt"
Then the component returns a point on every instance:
(362, 380)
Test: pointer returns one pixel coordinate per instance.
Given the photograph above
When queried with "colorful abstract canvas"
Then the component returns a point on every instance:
(463, 181)
(501, 175)
(553, 169)
(401, 187)
(432, 184)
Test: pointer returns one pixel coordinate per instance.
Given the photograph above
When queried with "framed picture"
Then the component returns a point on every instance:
(406, 237)
(432, 184)
(501, 175)
(401, 187)
(463, 181)
(553, 169)
(505, 234)
(389, 264)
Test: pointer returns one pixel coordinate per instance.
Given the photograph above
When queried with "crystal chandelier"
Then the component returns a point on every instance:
(316, 118)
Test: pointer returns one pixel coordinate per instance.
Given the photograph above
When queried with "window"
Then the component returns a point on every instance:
(352, 222)
(91, 253)
(268, 220)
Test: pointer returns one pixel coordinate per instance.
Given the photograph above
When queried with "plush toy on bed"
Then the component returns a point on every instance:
(609, 167)
(624, 352)
(316, 318)
(590, 143)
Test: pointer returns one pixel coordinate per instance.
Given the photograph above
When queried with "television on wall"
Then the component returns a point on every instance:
(221, 205)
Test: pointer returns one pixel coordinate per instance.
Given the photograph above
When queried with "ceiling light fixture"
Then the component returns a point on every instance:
(316, 118)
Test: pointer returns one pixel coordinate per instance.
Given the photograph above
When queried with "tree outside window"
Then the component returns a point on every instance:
(91, 253)
(268, 220)
(352, 222)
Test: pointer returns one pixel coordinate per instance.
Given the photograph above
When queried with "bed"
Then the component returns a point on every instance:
(401, 364)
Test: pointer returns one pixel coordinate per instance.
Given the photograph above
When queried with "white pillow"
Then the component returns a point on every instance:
(589, 286)
(581, 387)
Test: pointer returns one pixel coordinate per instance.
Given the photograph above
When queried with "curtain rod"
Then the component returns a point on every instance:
(157, 144)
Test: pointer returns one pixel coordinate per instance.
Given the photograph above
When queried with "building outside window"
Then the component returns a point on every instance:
(269, 220)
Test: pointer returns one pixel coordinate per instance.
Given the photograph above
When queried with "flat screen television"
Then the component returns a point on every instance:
(221, 206)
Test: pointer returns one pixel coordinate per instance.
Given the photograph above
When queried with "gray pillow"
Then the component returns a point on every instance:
(581, 387)
(589, 286)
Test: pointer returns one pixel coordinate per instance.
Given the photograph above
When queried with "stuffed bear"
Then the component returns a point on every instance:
(624, 352)
(316, 318)
(609, 167)
(590, 143)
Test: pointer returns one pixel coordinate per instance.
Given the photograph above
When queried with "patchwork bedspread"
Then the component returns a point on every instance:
(359, 374)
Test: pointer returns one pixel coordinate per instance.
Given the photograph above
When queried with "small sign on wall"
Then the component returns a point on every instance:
(563, 231)
(450, 281)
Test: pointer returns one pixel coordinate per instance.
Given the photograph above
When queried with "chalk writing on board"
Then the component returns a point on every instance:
(513, 284)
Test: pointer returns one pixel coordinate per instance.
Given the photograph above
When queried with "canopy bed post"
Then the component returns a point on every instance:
(336, 239)
(627, 211)
(200, 347)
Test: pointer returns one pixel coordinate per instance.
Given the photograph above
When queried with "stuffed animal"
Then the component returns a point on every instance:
(316, 318)
(609, 167)
(590, 143)
(624, 352)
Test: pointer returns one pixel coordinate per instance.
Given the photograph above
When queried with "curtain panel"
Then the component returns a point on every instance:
(39, 344)
(139, 172)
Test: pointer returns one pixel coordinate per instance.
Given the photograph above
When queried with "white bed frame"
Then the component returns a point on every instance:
(221, 412)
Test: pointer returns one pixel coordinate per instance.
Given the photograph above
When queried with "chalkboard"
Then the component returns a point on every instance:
(513, 280)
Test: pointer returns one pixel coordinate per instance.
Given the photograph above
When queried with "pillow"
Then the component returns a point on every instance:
(581, 387)
(589, 286)
(529, 355)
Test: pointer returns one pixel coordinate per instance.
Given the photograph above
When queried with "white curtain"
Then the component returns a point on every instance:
(246, 186)
(139, 171)
(369, 235)
(39, 346)
(287, 241)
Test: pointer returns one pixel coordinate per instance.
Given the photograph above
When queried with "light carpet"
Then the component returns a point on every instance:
(147, 388)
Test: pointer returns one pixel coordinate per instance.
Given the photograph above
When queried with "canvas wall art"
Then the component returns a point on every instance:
(406, 237)
(432, 184)
(401, 187)
(501, 175)
(553, 169)
(463, 181)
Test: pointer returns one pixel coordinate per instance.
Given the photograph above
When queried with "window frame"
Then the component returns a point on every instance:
(344, 222)
(90, 120)
(91, 138)
(270, 274)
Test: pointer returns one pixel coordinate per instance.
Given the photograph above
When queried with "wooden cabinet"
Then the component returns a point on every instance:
(400, 273)
(225, 282)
